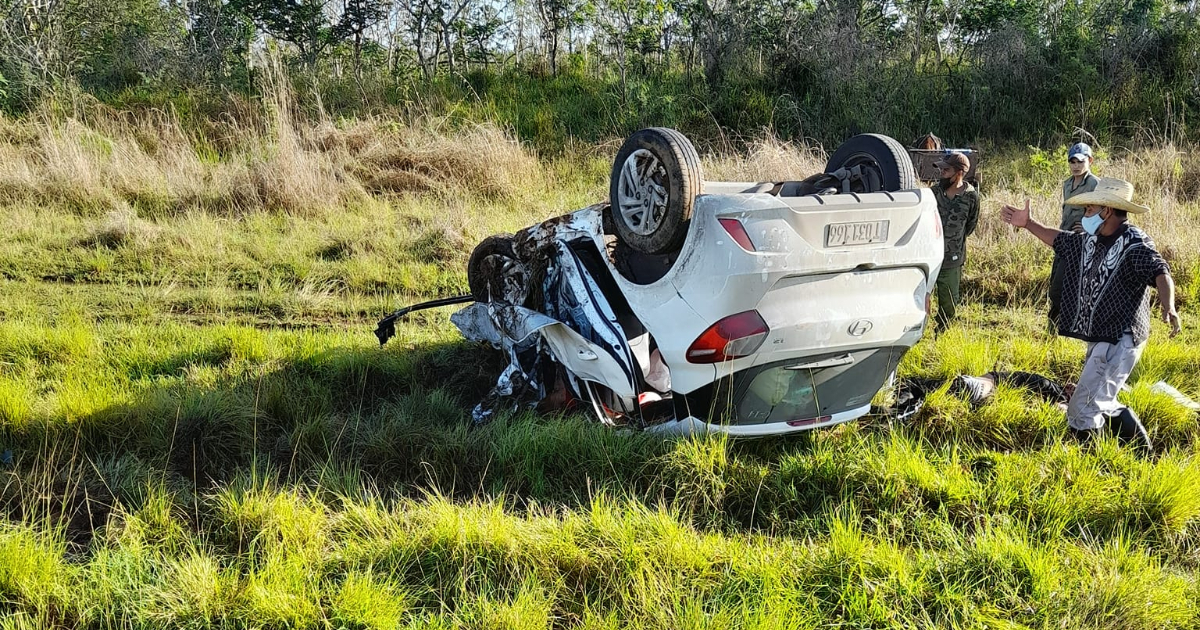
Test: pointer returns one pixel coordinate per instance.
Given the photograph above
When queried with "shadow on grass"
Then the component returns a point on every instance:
(395, 423)
(391, 422)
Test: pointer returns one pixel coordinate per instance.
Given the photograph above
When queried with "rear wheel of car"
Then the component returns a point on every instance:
(655, 179)
(876, 163)
(488, 267)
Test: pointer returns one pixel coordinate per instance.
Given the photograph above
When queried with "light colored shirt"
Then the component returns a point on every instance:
(1074, 214)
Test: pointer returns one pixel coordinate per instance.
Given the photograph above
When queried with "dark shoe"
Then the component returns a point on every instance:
(1129, 430)
(1083, 436)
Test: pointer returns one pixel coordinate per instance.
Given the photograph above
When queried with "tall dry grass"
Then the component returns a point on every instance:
(767, 158)
(96, 161)
(135, 176)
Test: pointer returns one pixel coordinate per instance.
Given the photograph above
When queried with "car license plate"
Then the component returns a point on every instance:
(859, 233)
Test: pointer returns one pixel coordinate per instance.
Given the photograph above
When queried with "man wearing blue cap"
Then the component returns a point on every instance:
(1079, 158)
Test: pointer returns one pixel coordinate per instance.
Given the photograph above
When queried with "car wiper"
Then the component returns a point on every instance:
(386, 329)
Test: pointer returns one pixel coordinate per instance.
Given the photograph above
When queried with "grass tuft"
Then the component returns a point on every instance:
(121, 227)
(369, 602)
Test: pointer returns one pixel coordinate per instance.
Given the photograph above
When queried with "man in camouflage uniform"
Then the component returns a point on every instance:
(958, 205)
(1079, 158)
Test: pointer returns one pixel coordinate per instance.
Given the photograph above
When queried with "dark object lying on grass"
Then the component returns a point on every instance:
(386, 328)
(979, 388)
(910, 396)
(910, 393)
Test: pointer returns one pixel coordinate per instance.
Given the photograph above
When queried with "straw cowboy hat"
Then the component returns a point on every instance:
(1111, 192)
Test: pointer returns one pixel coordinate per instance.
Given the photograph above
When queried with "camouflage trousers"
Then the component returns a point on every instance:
(948, 296)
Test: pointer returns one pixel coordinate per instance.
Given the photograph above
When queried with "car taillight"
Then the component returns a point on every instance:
(928, 303)
(734, 337)
(937, 225)
(738, 232)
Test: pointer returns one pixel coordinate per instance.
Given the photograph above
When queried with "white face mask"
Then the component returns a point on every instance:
(1092, 223)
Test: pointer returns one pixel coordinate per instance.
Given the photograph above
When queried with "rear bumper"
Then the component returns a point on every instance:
(692, 425)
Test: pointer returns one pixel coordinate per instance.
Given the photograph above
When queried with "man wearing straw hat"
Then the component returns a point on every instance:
(1107, 270)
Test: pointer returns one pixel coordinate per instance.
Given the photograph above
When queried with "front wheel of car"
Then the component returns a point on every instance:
(655, 179)
(491, 268)
(873, 162)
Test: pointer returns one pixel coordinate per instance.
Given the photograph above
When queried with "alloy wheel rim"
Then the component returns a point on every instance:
(642, 192)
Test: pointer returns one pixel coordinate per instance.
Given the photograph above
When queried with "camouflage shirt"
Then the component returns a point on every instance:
(1074, 214)
(959, 217)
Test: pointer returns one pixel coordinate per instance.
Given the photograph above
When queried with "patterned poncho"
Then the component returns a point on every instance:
(1105, 282)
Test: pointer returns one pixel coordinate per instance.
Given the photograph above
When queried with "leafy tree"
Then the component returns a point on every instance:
(41, 44)
(357, 16)
(480, 30)
(557, 17)
(218, 44)
(103, 44)
(434, 26)
(302, 23)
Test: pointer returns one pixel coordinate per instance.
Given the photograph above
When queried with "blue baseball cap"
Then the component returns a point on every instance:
(1079, 149)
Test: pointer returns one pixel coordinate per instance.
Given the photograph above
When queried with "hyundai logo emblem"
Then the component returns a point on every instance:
(860, 327)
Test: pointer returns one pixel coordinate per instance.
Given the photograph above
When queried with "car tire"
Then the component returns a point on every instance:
(653, 186)
(879, 156)
(485, 267)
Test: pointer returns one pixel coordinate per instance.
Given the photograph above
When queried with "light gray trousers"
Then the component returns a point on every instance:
(1106, 367)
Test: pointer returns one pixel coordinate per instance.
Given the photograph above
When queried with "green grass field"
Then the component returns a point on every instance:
(204, 432)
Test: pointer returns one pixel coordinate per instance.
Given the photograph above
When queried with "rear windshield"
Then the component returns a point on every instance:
(784, 392)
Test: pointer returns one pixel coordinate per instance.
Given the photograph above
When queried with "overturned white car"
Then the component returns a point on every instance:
(751, 308)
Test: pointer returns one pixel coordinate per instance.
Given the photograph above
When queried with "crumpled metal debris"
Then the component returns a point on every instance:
(564, 319)
(511, 329)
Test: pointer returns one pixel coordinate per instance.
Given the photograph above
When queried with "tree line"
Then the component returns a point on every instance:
(1021, 70)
